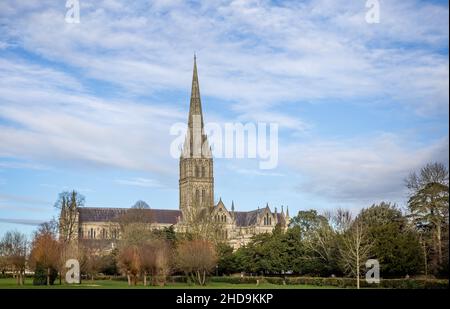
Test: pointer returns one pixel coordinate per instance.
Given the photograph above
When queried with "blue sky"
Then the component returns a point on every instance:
(89, 106)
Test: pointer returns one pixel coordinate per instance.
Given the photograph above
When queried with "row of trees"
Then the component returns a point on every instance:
(142, 252)
(409, 242)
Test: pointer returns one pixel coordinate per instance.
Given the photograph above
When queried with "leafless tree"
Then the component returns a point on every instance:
(200, 224)
(13, 250)
(354, 249)
(430, 173)
(129, 262)
(154, 260)
(45, 249)
(196, 258)
(67, 204)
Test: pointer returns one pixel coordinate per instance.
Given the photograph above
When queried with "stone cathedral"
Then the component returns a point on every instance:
(196, 192)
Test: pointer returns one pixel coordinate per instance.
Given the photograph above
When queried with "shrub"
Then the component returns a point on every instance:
(40, 275)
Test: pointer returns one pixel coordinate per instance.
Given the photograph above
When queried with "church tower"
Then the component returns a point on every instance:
(196, 163)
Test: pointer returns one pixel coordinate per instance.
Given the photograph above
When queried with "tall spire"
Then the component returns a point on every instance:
(195, 107)
(196, 144)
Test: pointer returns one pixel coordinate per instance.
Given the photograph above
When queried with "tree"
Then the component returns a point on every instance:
(428, 205)
(307, 220)
(45, 251)
(354, 247)
(92, 258)
(394, 244)
(430, 173)
(318, 240)
(196, 258)
(429, 211)
(129, 262)
(140, 205)
(200, 224)
(154, 260)
(13, 249)
(226, 263)
(67, 204)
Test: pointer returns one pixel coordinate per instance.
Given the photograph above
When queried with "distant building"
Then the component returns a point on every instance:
(196, 191)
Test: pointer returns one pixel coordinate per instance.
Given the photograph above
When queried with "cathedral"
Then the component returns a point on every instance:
(196, 193)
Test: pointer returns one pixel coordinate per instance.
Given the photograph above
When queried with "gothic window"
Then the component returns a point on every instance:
(203, 196)
(203, 172)
(197, 196)
(267, 220)
(103, 233)
(196, 171)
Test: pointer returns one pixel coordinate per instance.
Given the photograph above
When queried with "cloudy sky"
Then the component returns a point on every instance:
(89, 106)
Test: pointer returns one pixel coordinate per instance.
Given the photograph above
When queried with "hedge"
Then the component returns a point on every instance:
(340, 282)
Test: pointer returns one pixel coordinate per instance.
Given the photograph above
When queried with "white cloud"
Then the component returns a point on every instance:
(360, 170)
(139, 182)
(251, 52)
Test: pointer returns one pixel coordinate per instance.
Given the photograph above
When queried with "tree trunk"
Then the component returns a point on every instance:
(439, 243)
(425, 258)
(129, 279)
(199, 278)
(145, 278)
(48, 276)
(357, 266)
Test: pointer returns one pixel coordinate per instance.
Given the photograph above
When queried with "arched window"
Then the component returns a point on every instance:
(203, 196)
(196, 171)
(265, 221)
(203, 172)
(197, 196)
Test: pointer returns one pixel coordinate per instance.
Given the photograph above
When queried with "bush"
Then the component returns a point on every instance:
(40, 275)
(340, 282)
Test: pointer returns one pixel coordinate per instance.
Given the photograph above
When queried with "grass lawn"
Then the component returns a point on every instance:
(10, 283)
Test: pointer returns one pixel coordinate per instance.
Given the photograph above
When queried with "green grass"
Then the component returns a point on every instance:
(10, 283)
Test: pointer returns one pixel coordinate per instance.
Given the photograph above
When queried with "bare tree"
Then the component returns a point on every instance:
(320, 241)
(196, 258)
(154, 257)
(430, 173)
(129, 262)
(13, 249)
(67, 204)
(91, 257)
(45, 249)
(200, 224)
(354, 249)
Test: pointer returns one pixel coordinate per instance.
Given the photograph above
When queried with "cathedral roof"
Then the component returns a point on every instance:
(104, 214)
(248, 218)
